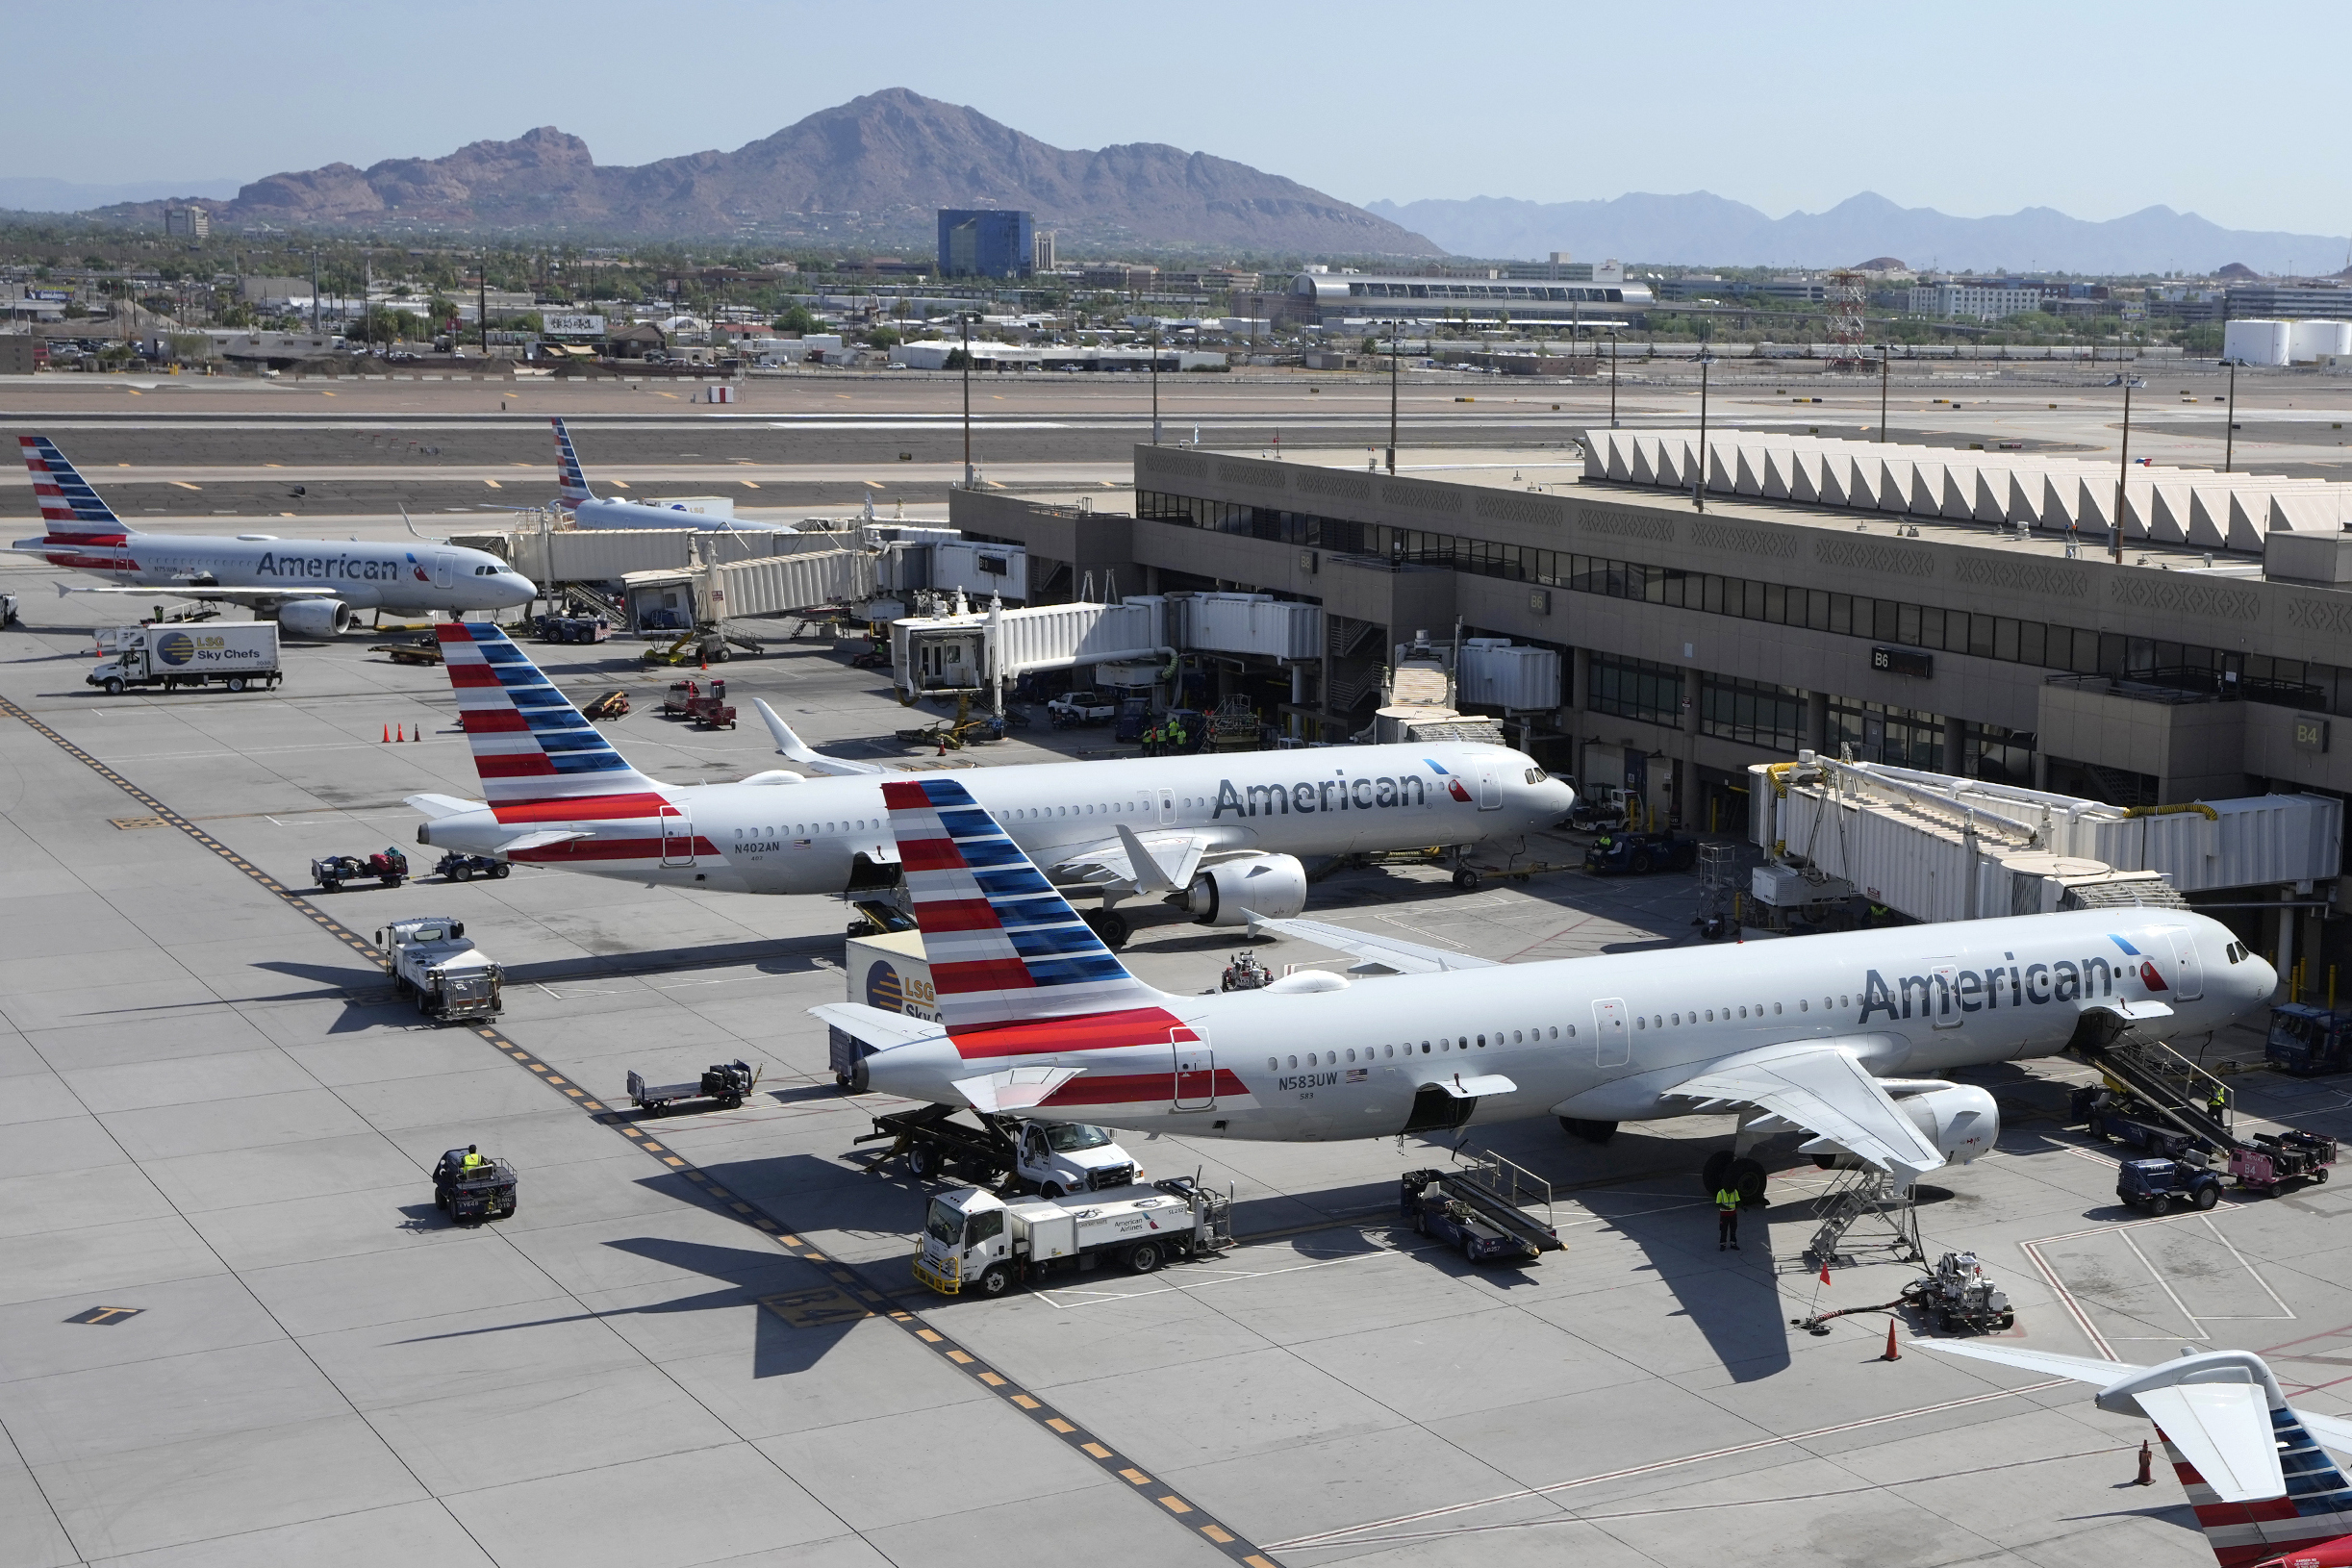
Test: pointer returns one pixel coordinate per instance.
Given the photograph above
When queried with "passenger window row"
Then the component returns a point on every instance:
(1444, 1043)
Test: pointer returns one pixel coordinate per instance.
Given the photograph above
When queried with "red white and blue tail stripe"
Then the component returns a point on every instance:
(2313, 1517)
(530, 744)
(1004, 946)
(571, 484)
(70, 509)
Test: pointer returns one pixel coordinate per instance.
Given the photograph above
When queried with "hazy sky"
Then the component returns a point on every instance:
(2096, 109)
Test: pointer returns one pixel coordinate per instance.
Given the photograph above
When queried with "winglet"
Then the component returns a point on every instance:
(790, 746)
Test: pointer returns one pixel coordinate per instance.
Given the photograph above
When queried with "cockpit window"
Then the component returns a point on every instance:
(1535, 775)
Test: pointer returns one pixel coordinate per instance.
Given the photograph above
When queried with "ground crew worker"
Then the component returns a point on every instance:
(2217, 1103)
(1152, 742)
(1727, 1217)
(474, 1159)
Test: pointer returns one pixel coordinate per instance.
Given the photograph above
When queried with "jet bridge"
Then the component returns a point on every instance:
(1940, 848)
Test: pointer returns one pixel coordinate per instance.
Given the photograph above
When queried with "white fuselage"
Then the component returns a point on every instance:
(414, 577)
(604, 512)
(1602, 1038)
(807, 835)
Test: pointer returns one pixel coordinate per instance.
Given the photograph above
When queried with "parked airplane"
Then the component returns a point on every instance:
(591, 510)
(311, 585)
(1221, 834)
(2265, 1493)
(1837, 1035)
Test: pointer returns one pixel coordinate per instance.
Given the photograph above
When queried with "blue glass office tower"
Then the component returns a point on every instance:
(990, 242)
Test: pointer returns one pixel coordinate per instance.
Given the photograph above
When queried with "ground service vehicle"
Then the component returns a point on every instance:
(237, 655)
(9, 606)
(1958, 1296)
(1049, 1157)
(614, 704)
(1640, 853)
(2272, 1161)
(2156, 1186)
(1081, 708)
(431, 961)
(2307, 1040)
(2128, 1122)
(1437, 1206)
(473, 1193)
(458, 866)
(388, 869)
(575, 629)
(709, 709)
(973, 1238)
(726, 1082)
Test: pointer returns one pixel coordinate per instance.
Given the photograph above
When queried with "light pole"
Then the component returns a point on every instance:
(1698, 496)
(965, 317)
(1612, 375)
(2229, 436)
(1396, 344)
(1884, 350)
(2123, 471)
(1156, 389)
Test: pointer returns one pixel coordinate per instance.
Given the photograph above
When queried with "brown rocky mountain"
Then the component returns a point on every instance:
(873, 169)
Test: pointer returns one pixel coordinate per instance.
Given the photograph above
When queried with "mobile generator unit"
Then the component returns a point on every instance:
(973, 1238)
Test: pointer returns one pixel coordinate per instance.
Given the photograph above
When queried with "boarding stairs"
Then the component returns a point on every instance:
(1865, 1217)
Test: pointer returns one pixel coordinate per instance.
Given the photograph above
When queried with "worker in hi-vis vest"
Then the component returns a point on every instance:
(1726, 1217)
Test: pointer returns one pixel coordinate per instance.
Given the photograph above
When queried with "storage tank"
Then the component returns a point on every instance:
(2257, 341)
(2309, 341)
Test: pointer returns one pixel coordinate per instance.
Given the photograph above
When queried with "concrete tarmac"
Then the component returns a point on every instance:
(233, 1327)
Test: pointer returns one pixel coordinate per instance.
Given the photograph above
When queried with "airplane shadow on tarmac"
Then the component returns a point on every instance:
(798, 1322)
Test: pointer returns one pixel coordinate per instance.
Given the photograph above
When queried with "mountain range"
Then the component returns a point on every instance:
(1700, 229)
(872, 170)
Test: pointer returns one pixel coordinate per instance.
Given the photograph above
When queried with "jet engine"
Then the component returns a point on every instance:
(313, 617)
(1959, 1119)
(1230, 892)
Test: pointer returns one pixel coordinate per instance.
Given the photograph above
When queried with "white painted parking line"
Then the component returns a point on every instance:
(2078, 1310)
(1199, 1277)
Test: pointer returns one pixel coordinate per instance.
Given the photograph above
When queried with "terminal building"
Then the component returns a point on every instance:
(1695, 644)
(1327, 297)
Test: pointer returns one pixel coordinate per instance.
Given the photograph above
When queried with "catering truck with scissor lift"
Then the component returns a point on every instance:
(1050, 1158)
(432, 961)
(233, 654)
(974, 1239)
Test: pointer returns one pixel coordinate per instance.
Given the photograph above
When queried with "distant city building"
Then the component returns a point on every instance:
(993, 242)
(1040, 252)
(188, 222)
(1128, 277)
(1980, 301)
(1561, 269)
(2287, 299)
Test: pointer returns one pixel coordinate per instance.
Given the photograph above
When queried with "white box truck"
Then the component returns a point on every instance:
(237, 656)
(970, 1237)
(885, 970)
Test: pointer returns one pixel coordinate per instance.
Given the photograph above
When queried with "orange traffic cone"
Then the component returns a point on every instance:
(2147, 1460)
(419, 735)
(388, 734)
(402, 734)
(1893, 1353)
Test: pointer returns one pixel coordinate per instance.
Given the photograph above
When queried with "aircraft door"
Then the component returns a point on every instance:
(1196, 1073)
(445, 567)
(678, 837)
(2189, 970)
(1612, 1041)
(1944, 1000)
(1490, 788)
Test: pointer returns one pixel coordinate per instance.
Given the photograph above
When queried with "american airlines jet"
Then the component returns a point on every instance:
(1221, 834)
(311, 585)
(591, 510)
(1841, 1036)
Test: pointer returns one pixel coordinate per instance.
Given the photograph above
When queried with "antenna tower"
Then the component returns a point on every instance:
(1845, 295)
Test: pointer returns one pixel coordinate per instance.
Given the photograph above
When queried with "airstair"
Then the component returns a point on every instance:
(1865, 1217)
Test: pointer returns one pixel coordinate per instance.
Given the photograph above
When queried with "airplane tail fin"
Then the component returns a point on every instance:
(69, 507)
(1004, 947)
(2317, 1507)
(571, 484)
(532, 747)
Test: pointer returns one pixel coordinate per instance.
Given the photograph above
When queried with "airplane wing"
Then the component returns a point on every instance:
(1154, 860)
(2224, 1429)
(877, 1026)
(207, 591)
(1393, 954)
(2335, 1431)
(1015, 1089)
(438, 806)
(1820, 1088)
(791, 747)
(541, 838)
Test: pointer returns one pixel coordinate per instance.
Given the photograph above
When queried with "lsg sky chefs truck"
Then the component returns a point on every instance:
(234, 655)
(972, 1239)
